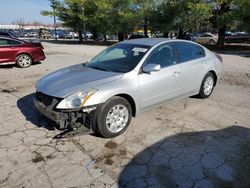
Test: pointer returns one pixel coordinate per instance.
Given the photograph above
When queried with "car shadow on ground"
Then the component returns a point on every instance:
(14, 65)
(204, 159)
(28, 109)
(36, 63)
(7, 66)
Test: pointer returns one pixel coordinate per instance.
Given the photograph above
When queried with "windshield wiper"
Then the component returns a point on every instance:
(98, 68)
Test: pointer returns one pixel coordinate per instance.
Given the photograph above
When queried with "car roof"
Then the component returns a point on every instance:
(210, 34)
(7, 37)
(145, 41)
(7, 33)
(11, 38)
(4, 33)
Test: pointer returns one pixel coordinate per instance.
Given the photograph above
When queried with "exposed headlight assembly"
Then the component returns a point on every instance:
(76, 100)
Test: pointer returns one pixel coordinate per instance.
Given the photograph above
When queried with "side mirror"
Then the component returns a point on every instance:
(151, 68)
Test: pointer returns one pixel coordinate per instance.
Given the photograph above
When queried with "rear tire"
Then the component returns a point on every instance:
(23, 60)
(207, 86)
(211, 42)
(113, 117)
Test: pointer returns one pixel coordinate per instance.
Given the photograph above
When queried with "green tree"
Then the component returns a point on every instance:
(223, 16)
(191, 15)
(182, 15)
(123, 17)
(54, 4)
(145, 10)
(242, 13)
(112, 16)
(96, 14)
(99, 16)
(162, 17)
(71, 13)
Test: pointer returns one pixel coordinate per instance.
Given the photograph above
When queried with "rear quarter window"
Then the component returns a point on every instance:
(189, 51)
(3, 42)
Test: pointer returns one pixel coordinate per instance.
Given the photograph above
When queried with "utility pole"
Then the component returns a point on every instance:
(85, 33)
(84, 25)
(53, 2)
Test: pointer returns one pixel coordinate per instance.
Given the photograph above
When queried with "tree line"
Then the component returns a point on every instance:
(124, 16)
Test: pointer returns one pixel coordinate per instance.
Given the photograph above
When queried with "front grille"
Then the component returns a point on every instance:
(46, 99)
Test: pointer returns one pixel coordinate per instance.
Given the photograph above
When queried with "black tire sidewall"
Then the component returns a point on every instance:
(211, 41)
(103, 112)
(19, 56)
(202, 94)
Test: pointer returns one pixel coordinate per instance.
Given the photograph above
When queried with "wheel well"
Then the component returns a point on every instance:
(25, 54)
(215, 77)
(131, 102)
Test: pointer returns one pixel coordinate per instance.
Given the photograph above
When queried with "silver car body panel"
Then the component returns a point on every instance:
(64, 82)
(146, 89)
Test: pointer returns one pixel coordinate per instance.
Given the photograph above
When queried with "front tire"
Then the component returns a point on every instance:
(207, 86)
(114, 117)
(23, 60)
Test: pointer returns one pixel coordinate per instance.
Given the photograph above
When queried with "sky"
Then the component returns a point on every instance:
(28, 10)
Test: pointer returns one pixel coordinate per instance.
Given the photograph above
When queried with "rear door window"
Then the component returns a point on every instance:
(14, 42)
(7, 42)
(189, 51)
(4, 42)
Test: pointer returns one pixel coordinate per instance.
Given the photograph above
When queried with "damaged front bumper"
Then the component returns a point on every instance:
(66, 119)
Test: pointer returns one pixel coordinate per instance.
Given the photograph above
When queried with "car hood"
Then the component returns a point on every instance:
(75, 78)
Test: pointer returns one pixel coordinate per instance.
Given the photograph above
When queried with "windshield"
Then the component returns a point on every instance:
(118, 58)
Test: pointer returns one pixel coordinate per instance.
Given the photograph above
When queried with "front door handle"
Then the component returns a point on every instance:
(176, 74)
(204, 63)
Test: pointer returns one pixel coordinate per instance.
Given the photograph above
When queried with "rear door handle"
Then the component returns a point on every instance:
(176, 74)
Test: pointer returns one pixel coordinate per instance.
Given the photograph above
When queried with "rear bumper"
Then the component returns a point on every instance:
(38, 55)
(39, 58)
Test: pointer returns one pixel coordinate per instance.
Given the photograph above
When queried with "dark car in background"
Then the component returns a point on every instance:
(20, 52)
(136, 36)
(60, 34)
(238, 37)
(7, 34)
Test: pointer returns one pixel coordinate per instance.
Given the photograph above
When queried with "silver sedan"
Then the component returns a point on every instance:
(124, 80)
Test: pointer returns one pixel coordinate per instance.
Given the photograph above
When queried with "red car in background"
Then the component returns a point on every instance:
(20, 52)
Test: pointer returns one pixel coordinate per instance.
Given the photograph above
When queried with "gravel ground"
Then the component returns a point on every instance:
(188, 143)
